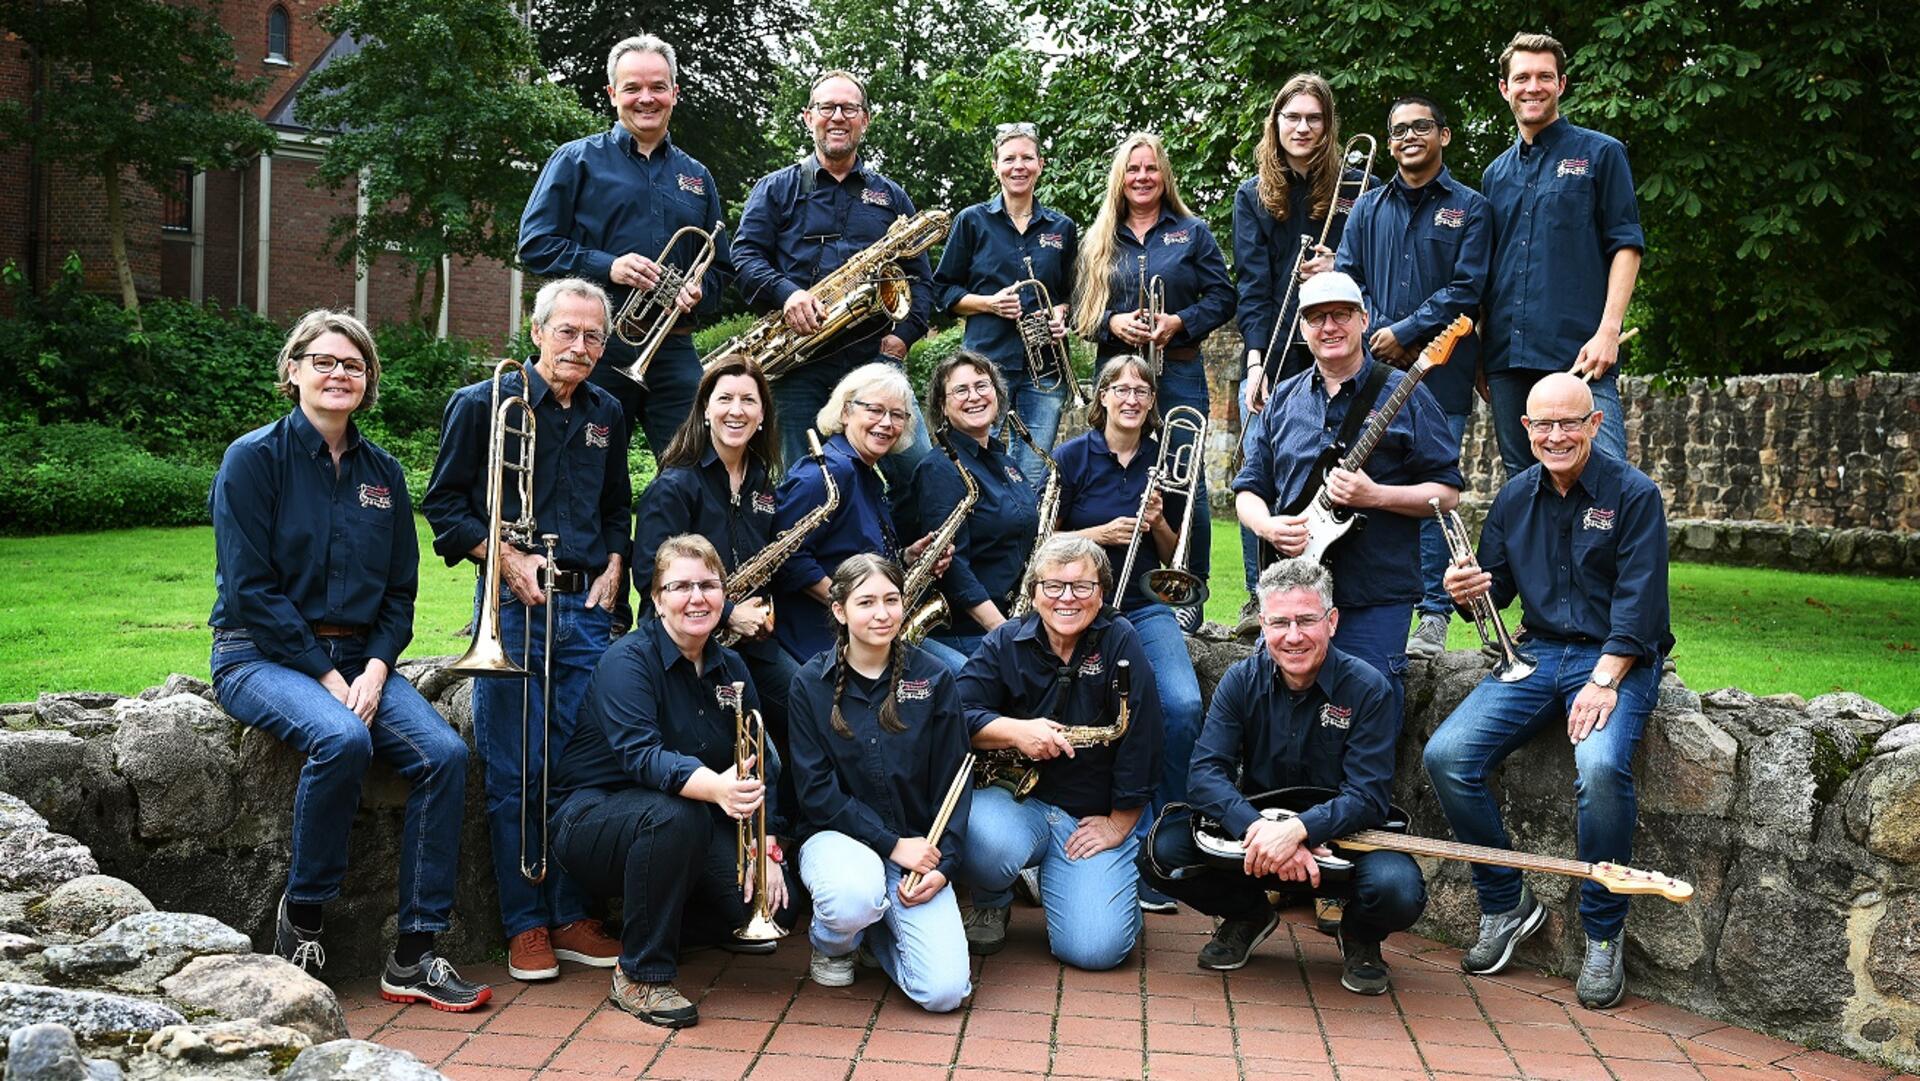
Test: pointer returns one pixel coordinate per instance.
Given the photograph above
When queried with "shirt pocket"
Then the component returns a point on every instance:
(372, 539)
(1567, 202)
(1596, 546)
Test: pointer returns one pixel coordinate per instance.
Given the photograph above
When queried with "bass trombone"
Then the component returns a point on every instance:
(1510, 665)
(750, 742)
(649, 313)
(1177, 469)
(1049, 364)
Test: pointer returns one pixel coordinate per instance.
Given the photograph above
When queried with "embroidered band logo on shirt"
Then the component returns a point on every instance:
(597, 434)
(1571, 167)
(1015, 475)
(1452, 217)
(695, 184)
(914, 690)
(1332, 716)
(1092, 666)
(873, 197)
(1178, 236)
(723, 694)
(763, 503)
(1056, 241)
(376, 496)
(1595, 518)
(1342, 206)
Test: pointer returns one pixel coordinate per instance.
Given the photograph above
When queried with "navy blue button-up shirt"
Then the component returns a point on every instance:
(1184, 255)
(1589, 566)
(1095, 489)
(879, 786)
(985, 254)
(862, 522)
(1379, 564)
(995, 538)
(297, 542)
(650, 719)
(1016, 673)
(581, 491)
(800, 224)
(1421, 256)
(1265, 251)
(1562, 206)
(599, 198)
(700, 499)
(1338, 733)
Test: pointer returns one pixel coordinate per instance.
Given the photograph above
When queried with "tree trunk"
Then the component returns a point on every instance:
(117, 238)
(413, 303)
(439, 291)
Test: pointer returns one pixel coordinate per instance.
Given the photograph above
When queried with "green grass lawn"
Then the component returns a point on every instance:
(118, 611)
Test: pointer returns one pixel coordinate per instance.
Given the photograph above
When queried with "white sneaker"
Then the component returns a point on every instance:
(831, 971)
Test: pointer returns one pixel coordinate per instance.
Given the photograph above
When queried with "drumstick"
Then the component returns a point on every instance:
(1587, 376)
(954, 791)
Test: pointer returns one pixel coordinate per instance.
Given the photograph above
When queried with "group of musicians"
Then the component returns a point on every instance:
(1062, 664)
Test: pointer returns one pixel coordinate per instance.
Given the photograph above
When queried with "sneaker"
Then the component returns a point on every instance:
(292, 944)
(1233, 942)
(986, 930)
(1429, 639)
(1603, 975)
(434, 982)
(585, 942)
(1189, 617)
(831, 971)
(1249, 625)
(1500, 933)
(655, 1003)
(530, 956)
(1152, 900)
(1362, 971)
(1026, 886)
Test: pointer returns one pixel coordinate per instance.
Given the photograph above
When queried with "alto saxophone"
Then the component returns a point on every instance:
(871, 283)
(1018, 774)
(923, 618)
(1049, 511)
(753, 575)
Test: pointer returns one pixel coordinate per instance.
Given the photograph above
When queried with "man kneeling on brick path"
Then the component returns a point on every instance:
(1297, 713)
(1581, 539)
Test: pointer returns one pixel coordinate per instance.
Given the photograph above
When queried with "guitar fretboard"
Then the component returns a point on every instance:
(1455, 850)
(1377, 427)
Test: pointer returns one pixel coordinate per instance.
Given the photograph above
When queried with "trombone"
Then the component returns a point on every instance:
(1175, 469)
(750, 741)
(1153, 305)
(1350, 154)
(649, 314)
(1511, 665)
(1048, 362)
(486, 656)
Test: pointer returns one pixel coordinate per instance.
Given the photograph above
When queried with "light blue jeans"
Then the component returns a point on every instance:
(1093, 909)
(922, 949)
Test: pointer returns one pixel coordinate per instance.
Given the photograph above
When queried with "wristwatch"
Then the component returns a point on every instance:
(1604, 681)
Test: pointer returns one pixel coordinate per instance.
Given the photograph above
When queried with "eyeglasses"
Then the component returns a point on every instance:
(1305, 623)
(1303, 120)
(1131, 392)
(565, 335)
(1569, 425)
(325, 363)
(973, 390)
(1340, 316)
(1422, 126)
(877, 412)
(1008, 131)
(704, 585)
(1053, 587)
(837, 108)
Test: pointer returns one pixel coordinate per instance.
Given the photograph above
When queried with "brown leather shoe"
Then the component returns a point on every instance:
(586, 942)
(655, 1003)
(530, 956)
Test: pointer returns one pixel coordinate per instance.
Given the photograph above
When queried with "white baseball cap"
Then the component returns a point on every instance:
(1330, 287)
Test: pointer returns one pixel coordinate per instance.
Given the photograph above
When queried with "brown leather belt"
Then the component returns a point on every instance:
(570, 581)
(1185, 352)
(680, 329)
(337, 630)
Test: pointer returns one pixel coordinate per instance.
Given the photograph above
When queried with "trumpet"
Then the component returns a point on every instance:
(750, 741)
(1511, 665)
(1185, 470)
(1351, 154)
(1048, 362)
(1153, 306)
(649, 314)
(487, 654)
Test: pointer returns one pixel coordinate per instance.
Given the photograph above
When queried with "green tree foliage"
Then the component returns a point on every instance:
(138, 85)
(444, 115)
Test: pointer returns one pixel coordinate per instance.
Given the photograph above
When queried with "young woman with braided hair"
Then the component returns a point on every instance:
(877, 735)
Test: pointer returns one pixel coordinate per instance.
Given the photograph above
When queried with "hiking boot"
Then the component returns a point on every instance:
(293, 944)
(1026, 886)
(986, 930)
(1500, 933)
(1249, 625)
(1362, 971)
(585, 942)
(831, 971)
(530, 956)
(1603, 975)
(1152, 900)
(1233, 942)
(434, 982)
(1327, 914)
(1429, 639)
(655, 1003)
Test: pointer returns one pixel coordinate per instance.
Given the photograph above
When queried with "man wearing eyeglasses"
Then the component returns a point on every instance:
(1566, 251)
(1581, 539)
(1296, 713)
(582, 495)
(803, 222)
(1376, 569)
(1420, 246)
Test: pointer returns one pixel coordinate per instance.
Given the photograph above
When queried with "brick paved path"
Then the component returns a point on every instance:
(1283, 1016)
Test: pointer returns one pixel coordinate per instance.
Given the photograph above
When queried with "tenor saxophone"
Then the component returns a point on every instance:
(753, 575)
(1049, 511)
(923, 618)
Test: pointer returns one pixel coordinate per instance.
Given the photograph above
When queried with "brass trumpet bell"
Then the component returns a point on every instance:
(760, 928)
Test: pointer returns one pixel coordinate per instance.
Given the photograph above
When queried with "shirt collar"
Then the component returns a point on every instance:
(1544, 141)
(630, 143)
(1149, 444)
(668, 652)
(309, 439)
(1323, 679)
(1319, 384)
(1041, 211)
(812, 172)
(1443, 181)
(1599, 478)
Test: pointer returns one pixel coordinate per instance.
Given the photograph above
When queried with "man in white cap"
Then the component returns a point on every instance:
(1310, 422)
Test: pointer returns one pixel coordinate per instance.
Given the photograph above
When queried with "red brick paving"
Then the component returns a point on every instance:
(1284, 1016)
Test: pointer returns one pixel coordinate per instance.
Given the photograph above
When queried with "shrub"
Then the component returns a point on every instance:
(63, 478)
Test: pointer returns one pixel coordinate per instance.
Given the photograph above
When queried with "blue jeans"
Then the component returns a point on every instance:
(1509, 388)
(1433, 546)
(1179, 689)
(1040, 411)
(1496, 719)
(407, 734)
(1184, 382)
(579, 638)
(1249, 543)
(797, 398)
(922, 949)
(1092, 904)
(1377, 634)
(962, 644)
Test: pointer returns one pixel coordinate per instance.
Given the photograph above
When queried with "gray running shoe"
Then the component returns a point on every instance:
(1429, 639)
(831, 971)
(986, 930)
(1234, 941)
(294, 944)
(1603, 975)
(1363, 971)
(1501, 932)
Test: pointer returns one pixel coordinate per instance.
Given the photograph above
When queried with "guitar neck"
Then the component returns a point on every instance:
(1369, 840)
(1377, 427)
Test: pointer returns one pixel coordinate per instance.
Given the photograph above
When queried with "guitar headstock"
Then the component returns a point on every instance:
(1618, 878)
(1441, 347)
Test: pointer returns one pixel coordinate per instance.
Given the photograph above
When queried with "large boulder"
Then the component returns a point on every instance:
(91, 1015)
(177, 753)
(48, 1052)
(1883, 807)
(1699, 765)
(35, 860)
(1806, 981)
(358, 1060)
(1893, 961)
(140, 950)
(264, 988)
(89, 904)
